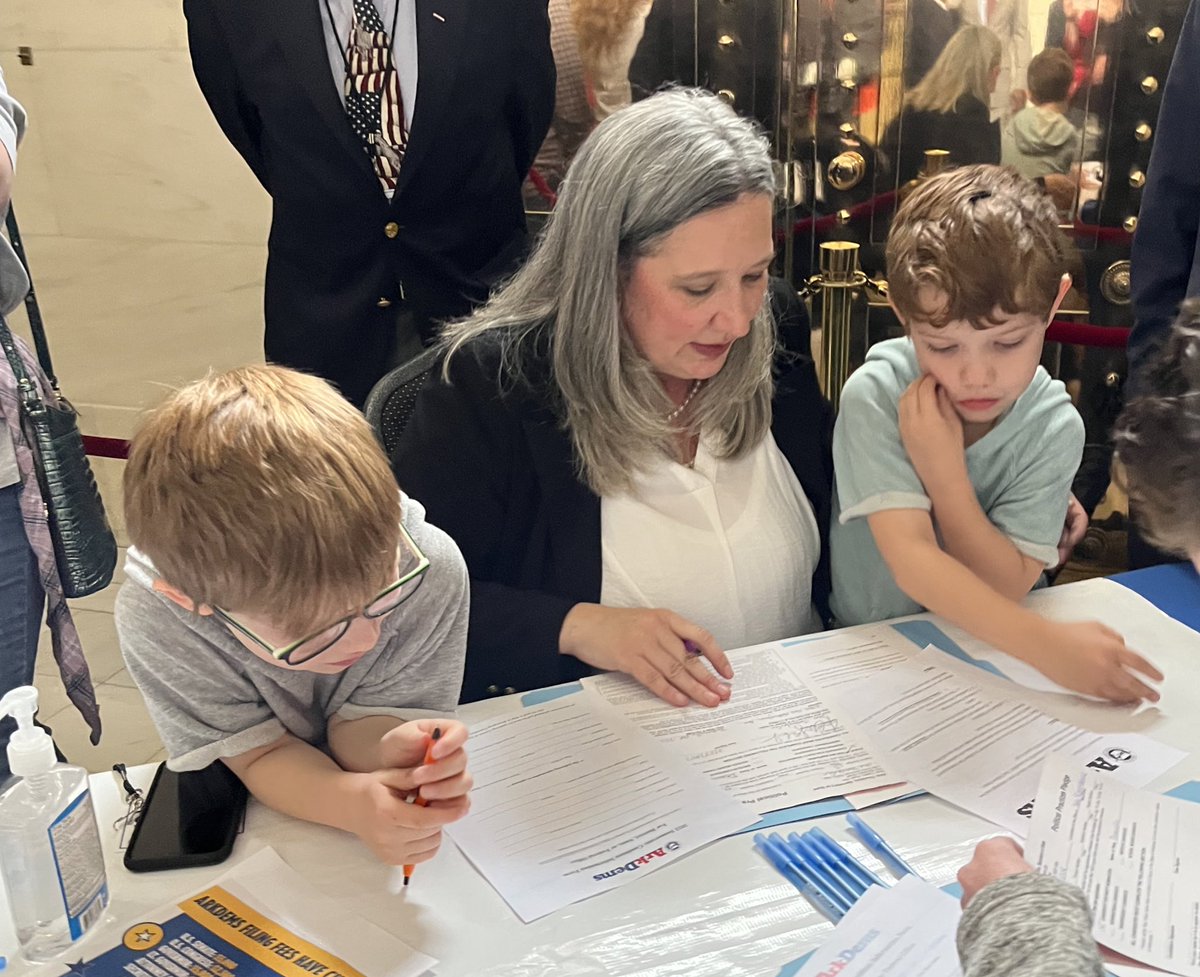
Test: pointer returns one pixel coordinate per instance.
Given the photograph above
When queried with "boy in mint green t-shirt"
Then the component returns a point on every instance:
(954, 450)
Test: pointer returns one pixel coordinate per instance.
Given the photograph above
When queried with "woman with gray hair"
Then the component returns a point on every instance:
(628, 441)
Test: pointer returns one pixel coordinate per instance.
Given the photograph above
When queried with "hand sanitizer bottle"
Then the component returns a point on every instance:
(49, 844)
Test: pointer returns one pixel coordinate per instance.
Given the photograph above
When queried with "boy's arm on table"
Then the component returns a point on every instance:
(299, 780)
(1085, 656)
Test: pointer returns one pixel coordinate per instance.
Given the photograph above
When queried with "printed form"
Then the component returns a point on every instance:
(568, 803)
(1136, 855)
(901, 931)
(773, 744)
(976, 743)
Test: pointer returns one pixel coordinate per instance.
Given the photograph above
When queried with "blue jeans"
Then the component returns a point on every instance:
(21, 603)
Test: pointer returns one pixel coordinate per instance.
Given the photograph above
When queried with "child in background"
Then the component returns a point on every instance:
(1038, 140)
(288, 612)
(954, 450)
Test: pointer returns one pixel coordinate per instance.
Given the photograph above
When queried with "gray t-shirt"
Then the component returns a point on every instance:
(1021, 471)
(210, 697)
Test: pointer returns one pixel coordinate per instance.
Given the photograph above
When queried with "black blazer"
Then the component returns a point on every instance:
(485, 94)
(968, 133)
(497, 472)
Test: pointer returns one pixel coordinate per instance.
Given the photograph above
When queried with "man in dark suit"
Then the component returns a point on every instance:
(379, 229)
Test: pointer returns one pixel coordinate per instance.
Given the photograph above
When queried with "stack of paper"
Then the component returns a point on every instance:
(1135, 855)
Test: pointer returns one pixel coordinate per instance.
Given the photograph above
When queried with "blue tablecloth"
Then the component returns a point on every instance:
(1174, 589)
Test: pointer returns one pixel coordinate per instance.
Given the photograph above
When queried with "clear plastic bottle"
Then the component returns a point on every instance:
(49, 843)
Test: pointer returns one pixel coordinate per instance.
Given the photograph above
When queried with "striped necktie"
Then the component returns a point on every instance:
(373, 100)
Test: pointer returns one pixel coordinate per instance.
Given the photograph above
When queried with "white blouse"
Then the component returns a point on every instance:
(731, 545)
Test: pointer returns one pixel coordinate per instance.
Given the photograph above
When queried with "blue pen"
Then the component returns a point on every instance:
(843, 857)
(845, 883)
(874, 841)
(812, 873)
(783, 866)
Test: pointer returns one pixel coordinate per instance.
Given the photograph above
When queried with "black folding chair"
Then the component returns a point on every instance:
(391, 401)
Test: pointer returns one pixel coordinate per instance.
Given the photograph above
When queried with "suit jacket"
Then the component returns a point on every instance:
(497, 471)
(342, 259)
(1166, 247)
(929, 29)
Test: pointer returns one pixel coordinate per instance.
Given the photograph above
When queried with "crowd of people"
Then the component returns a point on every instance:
(623, 461)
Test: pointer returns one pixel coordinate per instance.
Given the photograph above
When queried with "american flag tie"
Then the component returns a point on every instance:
(373, 100)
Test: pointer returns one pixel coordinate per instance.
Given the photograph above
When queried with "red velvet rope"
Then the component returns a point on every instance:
(100, 447)
(1087, 334)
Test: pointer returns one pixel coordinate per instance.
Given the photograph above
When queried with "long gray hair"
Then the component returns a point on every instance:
(644, 171)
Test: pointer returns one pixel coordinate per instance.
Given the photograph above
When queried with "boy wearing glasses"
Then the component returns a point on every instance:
(954, 451)
(288, 612)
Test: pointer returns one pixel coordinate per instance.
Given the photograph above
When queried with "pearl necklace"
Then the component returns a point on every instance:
(686, 400)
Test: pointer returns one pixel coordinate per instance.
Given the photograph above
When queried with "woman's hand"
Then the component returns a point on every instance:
(994, 859)
(660, 649)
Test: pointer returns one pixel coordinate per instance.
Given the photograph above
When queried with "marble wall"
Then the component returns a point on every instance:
(145, 231)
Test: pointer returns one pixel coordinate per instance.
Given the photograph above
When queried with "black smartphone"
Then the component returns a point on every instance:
(187, 819)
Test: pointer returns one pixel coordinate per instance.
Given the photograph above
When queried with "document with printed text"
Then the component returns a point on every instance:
(772, 744)
(568, 803)
(1136, 855)
(906, 930)
(978, 743)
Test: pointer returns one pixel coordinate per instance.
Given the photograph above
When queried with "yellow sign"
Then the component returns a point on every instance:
(263, 939)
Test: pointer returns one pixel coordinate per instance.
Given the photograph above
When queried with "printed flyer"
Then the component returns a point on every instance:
(261, 919)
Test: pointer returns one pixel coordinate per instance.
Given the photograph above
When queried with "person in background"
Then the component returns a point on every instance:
(1039, 140)
(1009, 20)
(948, 109)
(28, 573)
(1018, 923)
(954, 450)
(609, 32)
(393, 138)
(931, 24)
(628, 441)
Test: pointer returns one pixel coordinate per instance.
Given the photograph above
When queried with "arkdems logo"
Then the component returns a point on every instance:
(842, 960)
(638, 862)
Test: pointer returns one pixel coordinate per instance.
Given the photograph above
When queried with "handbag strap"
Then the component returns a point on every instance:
(31, 303)
(27, 390)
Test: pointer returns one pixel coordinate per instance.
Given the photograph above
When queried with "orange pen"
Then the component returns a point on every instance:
(419, 800)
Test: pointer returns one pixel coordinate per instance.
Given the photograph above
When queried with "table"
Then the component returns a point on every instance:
(720, 912)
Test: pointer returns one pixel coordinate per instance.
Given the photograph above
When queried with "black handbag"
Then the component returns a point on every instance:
(84, 546)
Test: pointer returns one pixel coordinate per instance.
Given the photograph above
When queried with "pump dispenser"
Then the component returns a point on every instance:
(49, 843)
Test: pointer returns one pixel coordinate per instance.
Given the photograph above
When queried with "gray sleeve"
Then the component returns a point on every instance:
(1029, 925)
(421, 671)
(12, 121)
(202, 706)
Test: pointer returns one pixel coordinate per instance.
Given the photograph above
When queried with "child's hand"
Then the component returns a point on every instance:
(402, 749)
(396, 831)
(932, 434)
(1090, 658)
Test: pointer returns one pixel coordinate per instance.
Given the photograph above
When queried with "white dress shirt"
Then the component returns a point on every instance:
(731, 545)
